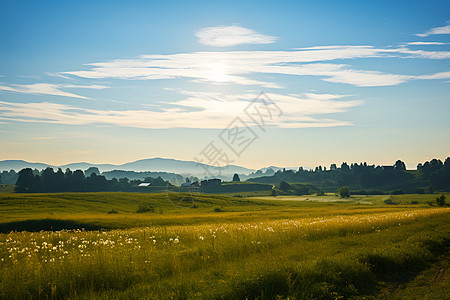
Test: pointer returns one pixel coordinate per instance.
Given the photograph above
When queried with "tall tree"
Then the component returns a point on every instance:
(399, 165)
(25, 181)
(48, 180)
(77, 181)
(345, 167)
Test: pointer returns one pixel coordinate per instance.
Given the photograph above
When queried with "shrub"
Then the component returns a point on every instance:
(440, 200)
(389, 201)
(300, 191)
(112, 211)
(344, 192)
(218, 209)
(143, 208)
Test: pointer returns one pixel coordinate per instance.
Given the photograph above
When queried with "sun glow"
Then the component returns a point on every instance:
(218, 72)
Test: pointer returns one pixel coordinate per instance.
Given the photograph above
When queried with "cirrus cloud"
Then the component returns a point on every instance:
(48, 89)
(436, 30)
(196, 110)
(238, 66)
(226, 36)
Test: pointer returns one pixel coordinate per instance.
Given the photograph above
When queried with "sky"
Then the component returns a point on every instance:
(284, 83)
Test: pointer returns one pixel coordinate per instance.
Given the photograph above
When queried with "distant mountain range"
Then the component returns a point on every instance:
(17, 165)
(185, 168)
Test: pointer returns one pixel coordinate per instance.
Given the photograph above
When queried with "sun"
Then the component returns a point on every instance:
(218, 72)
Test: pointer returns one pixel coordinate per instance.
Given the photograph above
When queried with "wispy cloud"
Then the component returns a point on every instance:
(93, 86)
(225, 36)
(47, 89)
(424, 53)
(441, 75)
(195, 110)
(425, 43)
(436, 30)
(237, 66)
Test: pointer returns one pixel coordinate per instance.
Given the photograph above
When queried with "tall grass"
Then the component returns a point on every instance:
(329, 256)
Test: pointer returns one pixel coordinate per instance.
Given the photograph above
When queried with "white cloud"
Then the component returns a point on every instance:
(436, 30)
(365, 78)
(196, 110)
(225, 36)
(425, 54)
(94, 86)
(425, 43)
(236, 67)
(47, 89)
(441, 75)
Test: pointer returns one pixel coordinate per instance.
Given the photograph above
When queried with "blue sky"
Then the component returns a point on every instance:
(116, 81)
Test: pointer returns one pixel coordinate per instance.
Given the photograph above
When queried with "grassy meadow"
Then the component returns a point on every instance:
(196, 246)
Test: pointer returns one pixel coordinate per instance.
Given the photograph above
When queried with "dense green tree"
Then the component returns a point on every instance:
(344, 192)
(50, 181)
(96, 183)
(25, 181)
(370, 178)
(77, 181)
(345, 167)
(447, 164)
(399, 165)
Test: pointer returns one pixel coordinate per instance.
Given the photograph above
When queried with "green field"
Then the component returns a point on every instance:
(197, 246)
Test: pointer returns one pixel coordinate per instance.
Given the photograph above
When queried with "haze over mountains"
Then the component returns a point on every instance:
(152, 164)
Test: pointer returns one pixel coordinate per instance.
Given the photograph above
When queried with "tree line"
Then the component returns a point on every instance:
(49, 181)
(430, 176)
(433, 175)
(8, 177)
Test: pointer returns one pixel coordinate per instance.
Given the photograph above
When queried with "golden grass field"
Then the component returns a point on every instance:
(223, 247)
